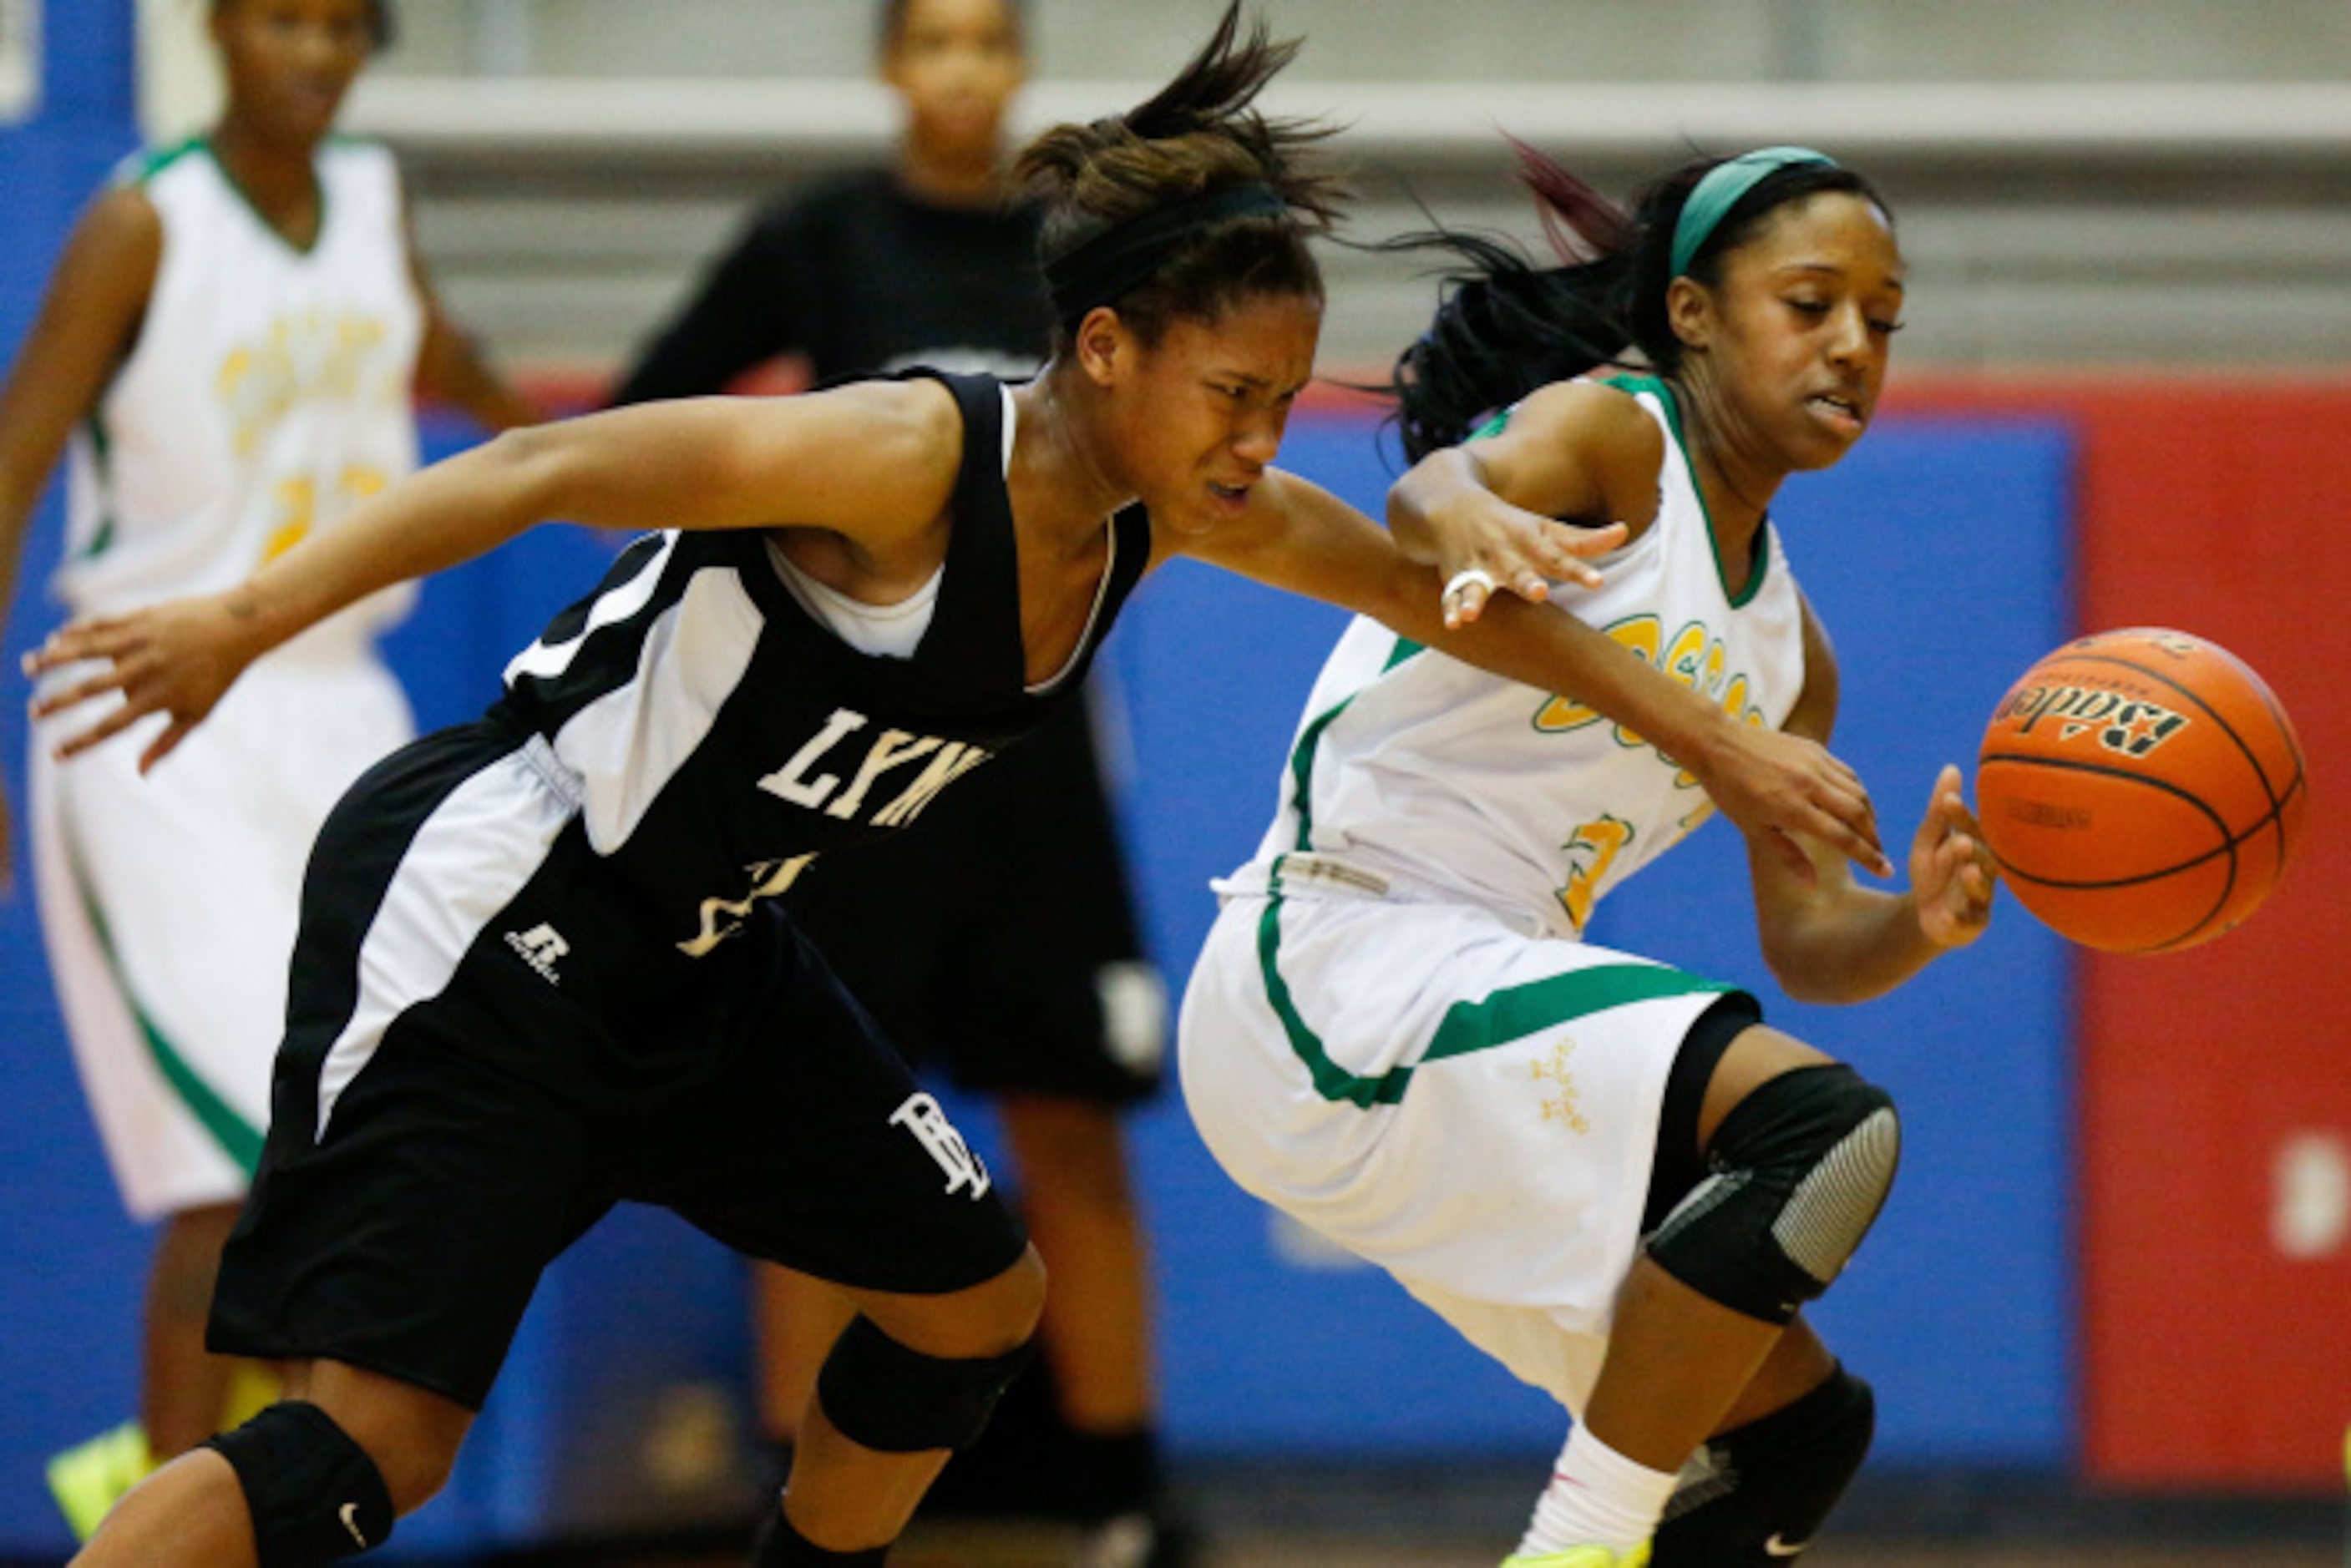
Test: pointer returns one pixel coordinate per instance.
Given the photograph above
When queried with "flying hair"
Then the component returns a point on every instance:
(1195, 137)
(1506, 325)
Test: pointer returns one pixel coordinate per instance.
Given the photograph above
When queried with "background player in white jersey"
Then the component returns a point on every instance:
(1608, 1174)
(541, 967)
(1045, 1005)
(232, 339)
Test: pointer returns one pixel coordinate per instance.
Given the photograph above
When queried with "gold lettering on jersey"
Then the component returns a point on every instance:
(722, 918)
(300, 513)
(954, 761)
(307, 356)
(1592, 849)
(1694, 656)
(1560, 1101)
(2132, 726)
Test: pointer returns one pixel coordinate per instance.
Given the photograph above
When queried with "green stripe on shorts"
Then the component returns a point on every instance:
(1497, 1019)
(238, 1138)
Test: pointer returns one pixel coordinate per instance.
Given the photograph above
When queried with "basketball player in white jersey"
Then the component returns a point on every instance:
(233, 340)
(1607, 1174)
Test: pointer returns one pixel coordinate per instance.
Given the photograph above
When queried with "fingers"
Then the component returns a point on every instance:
(1861, 849)
(1953, 870)
(1847, 821)
(106, 729)
(100, 637)
(80, 691)
(1465, 595)
(173, 734)
(1566, 545)
(1525, 556)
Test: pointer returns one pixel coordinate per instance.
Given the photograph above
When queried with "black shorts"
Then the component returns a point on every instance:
(996, 938)
(461, 1094)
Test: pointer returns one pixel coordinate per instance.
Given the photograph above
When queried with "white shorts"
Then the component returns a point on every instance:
(1472, 1108)
(168, 903)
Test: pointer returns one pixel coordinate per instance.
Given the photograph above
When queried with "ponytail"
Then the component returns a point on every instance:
(1505, 326)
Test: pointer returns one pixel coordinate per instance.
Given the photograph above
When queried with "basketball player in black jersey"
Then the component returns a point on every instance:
(541, 969)
(1045, 1005)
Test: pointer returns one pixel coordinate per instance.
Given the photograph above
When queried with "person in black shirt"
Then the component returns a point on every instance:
(541, 967)
(1043, 1003)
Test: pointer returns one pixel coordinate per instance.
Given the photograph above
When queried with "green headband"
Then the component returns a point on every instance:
(1724, 185)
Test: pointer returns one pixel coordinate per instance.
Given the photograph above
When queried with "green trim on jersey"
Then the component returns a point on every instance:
(1468, 1026)
(236, 1136)
(261, 217)
(1664, 392)
(140, 167)
(102, 449)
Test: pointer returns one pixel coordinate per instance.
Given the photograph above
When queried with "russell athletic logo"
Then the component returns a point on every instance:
(921, 1116)
(540, 948)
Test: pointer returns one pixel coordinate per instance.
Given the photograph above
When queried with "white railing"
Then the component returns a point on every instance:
(2053, 123)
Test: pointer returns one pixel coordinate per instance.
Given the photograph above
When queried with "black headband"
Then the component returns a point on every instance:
(1126, 255)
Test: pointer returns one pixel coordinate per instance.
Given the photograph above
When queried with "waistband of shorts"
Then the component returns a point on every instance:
(1311, 874)
(537, 754)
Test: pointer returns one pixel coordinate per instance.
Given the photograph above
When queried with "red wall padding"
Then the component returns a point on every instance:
(2215, 1084)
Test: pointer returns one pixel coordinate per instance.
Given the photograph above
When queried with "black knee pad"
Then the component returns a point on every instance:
(315, 1496)
(1756, 1495)
(1800, 1169)
(883, 1396)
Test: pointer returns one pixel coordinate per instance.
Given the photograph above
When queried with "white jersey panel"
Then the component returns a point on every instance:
(268, 392)
(626, 746)
(1450, 783)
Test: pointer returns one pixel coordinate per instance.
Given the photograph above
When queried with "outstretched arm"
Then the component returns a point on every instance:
(873, 462)
(1772, 785)
(1584, 449)
(1826, 938)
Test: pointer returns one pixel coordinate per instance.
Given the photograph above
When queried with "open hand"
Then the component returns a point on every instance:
(175, 659)
(1501, 548)
(1774, 784)
(1952, 873)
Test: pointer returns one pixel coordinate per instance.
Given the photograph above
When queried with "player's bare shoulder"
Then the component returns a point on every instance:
(1596, 417)
(1579, 449)
(875, 459)
(115, 250)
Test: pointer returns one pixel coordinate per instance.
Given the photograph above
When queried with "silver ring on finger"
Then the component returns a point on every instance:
(1462, 581)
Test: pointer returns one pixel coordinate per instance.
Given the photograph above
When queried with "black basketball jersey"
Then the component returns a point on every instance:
(717, 736)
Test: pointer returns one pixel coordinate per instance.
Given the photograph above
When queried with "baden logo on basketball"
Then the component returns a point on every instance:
(2130, 725)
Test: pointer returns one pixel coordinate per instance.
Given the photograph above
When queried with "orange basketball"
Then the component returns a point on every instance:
(2142, 790)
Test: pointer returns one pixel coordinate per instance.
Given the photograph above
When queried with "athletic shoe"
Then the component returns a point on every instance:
(1135, 1540)
(1584, 1557)
(89, 1478)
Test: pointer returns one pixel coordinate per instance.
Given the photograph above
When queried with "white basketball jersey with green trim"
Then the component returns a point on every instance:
(268, 392)
(1450, 783)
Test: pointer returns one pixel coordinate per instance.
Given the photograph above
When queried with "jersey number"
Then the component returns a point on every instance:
(297, 505)
(1591, 850)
